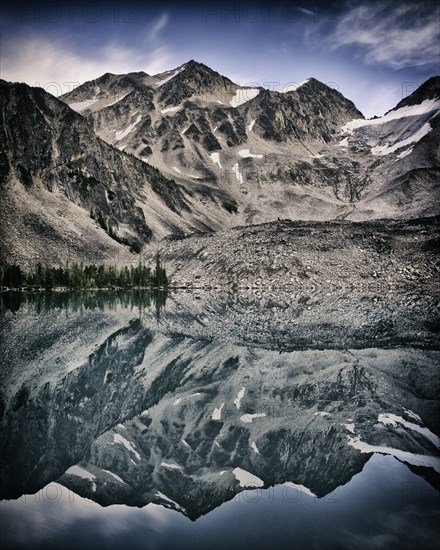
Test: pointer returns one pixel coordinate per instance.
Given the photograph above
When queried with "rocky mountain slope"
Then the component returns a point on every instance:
(66, 194)
(307, 153)
(300, 255)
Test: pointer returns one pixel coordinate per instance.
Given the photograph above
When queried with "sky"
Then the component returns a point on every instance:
(373, 52)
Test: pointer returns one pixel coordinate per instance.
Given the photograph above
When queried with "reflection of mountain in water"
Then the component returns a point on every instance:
(215, 396)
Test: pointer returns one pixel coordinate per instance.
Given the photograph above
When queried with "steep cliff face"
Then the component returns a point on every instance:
(67, 194)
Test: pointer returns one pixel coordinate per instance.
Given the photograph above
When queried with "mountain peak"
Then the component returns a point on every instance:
(428, 90)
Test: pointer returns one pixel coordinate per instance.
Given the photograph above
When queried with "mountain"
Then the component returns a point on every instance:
(125, 160)
(307, 153)
(66, 194)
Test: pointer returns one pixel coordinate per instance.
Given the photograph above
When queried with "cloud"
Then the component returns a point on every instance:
(397, 36)
(157, 26)
(307, 12)
(58, 66)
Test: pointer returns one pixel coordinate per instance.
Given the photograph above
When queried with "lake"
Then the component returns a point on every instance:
(198, 419)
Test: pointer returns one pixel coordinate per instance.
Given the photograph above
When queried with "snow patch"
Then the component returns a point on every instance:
(343, 142)
(322, 413)
(122, 133)
(170, 109)
(242, 95)
(293, 87)
(247, 479)
(217, 414)
(411, 110)
(175, 73)
(237, 401)
(245, 153)
(417, 136)
(82, 105)
(118, 99)
(250, 417)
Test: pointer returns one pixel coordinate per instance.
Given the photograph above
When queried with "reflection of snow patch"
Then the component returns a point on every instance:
(171, 465)
(393, 420)
(427, 461)
(177, 401)
(164, 497)
(300, 487)
(245, 153)
(237, 401)
(113, 475)
(251, 125)
(250, 417)
(236, 170)
(247, 479)
(80, 472)
(405, 153)
(217, 414)
(412, 414)
(170, 109)
(216, 159)
(129, 446)
(254, 448)
(349, 427)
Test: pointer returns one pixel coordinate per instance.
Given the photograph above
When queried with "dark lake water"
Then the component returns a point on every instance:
(217, 420)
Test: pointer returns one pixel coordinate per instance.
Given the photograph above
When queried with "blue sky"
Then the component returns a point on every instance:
(375, 53)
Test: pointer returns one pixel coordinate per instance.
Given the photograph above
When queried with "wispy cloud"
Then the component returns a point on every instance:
(57, 66)
(307, 12)
(398, 36)
(157, 26)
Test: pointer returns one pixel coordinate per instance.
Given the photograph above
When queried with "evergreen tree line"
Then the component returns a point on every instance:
(74, 302)
(80, 276)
